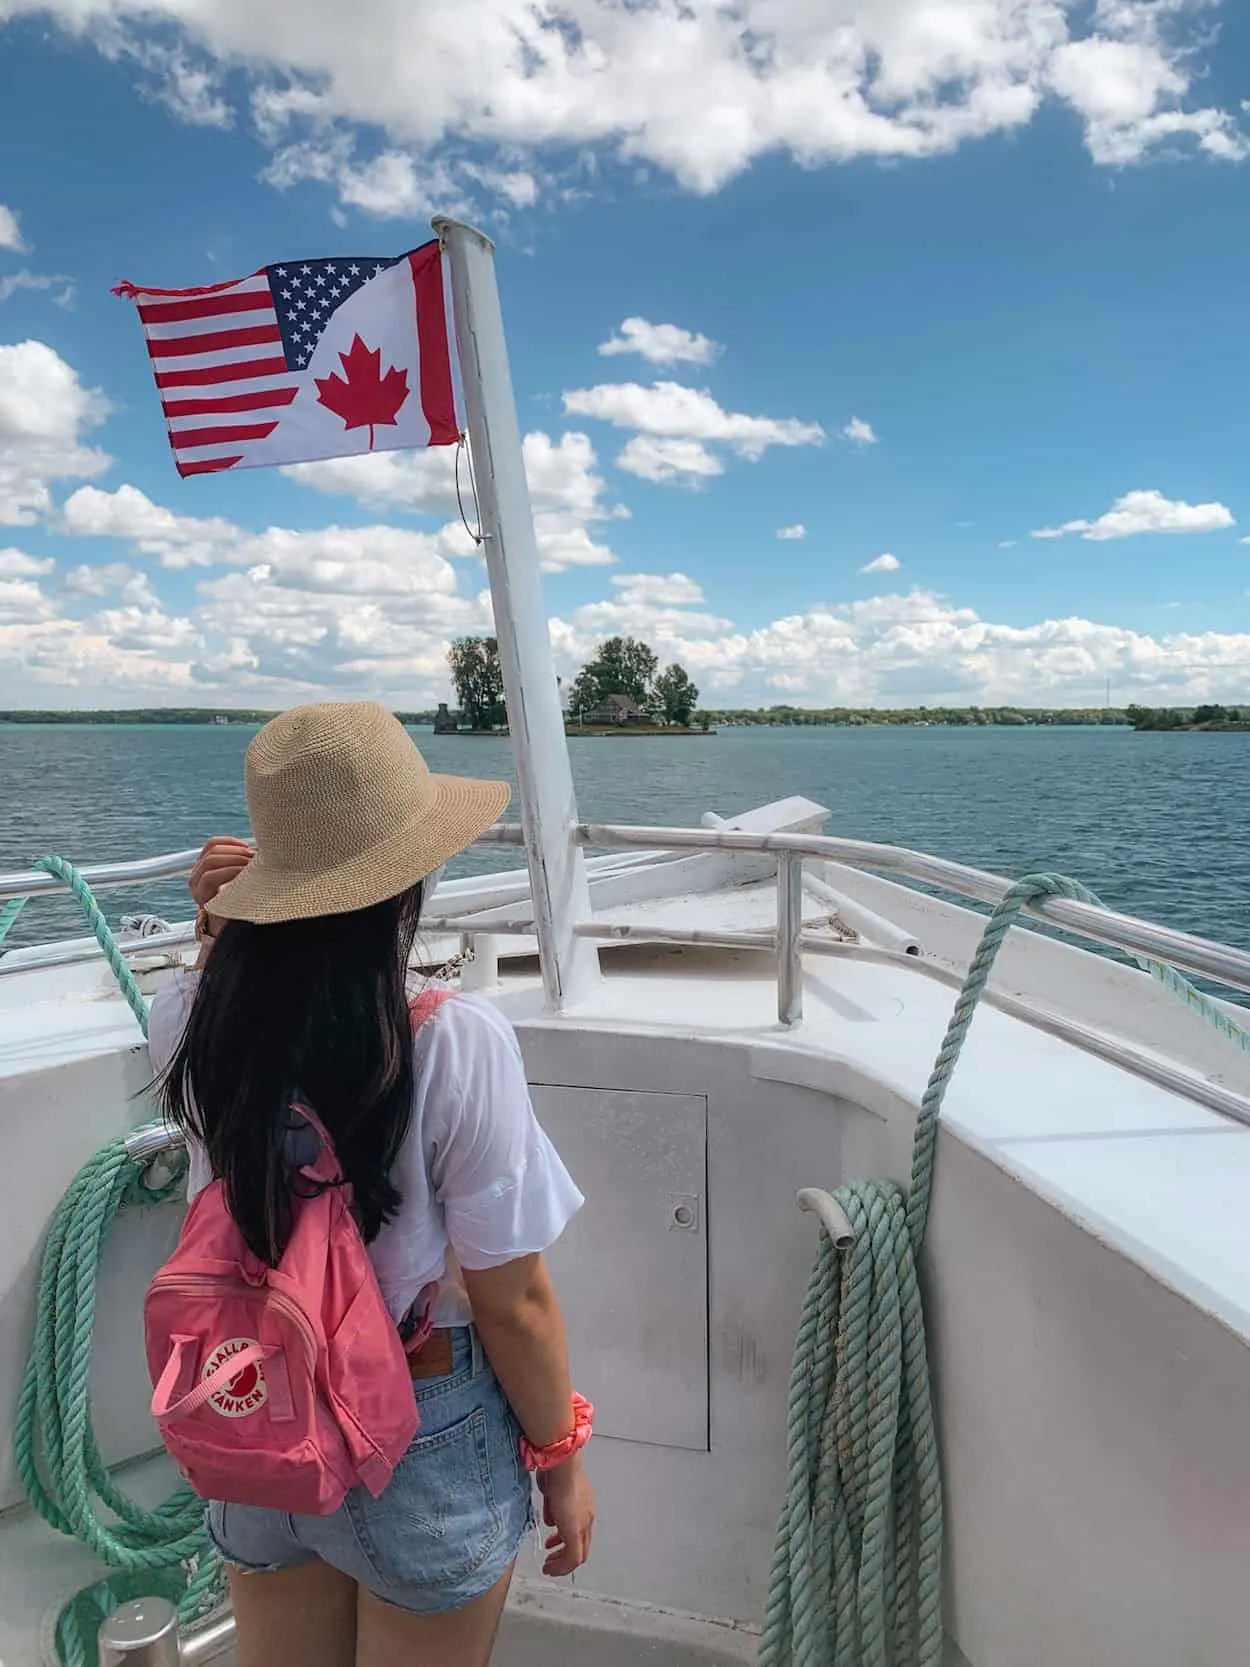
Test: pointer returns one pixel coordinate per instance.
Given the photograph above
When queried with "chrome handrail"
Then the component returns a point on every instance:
(789, 942)
(1184, 950)
(31, 882)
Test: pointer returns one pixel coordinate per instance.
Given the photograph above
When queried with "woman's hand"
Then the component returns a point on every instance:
(569, 1509)
(223, 859)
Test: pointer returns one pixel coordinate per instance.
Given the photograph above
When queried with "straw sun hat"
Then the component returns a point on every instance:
(346, 812)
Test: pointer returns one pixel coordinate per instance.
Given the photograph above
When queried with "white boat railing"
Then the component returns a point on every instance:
(790, 942)
(1185, 951)
(33, 882)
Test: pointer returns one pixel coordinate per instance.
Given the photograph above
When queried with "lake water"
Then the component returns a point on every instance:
(1152, 822)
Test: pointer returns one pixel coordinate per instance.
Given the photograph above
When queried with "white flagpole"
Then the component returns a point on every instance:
(561, 897)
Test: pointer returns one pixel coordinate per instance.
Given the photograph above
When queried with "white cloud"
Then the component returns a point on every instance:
(16, 564)
(378, 560)
(1145, 512)
(699, 92)
(146, 628)
(12, 282)
(884, 563)
(858, 432)
(53, 660)
(566, 491)
(662, 627)
(660, 344)
(653, 458)
(11, 232)
(371, 611)
(394, 184)
(175, 540)
(899, 650)
(188, 86)
(43, 410)
(422, 482)
(798, 530)
(271, 627)
(516, 186)
(662, 589)
(669, 408)
(113, 578)
(1128, 85)
(677, 425)
(22, 602)
(661, 608)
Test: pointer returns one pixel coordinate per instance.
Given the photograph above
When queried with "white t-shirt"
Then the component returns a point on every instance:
(477, 1174)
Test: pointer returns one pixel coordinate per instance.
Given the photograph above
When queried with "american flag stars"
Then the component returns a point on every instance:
(307, 295)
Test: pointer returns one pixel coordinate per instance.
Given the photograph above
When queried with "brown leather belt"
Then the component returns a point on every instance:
(433, 1358)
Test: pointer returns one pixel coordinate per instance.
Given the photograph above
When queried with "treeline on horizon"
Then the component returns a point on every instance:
(1138, 717)
(938, 716)
(771, 715)
(1188, 717)
(169, 715)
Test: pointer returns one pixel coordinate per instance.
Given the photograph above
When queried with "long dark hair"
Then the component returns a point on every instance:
(309, 1010)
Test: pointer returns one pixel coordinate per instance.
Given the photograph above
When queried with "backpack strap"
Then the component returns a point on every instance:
(325, 1166)
(164, 1404)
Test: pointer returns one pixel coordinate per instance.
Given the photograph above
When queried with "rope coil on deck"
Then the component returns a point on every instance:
(165, 1551)
(856, 1577)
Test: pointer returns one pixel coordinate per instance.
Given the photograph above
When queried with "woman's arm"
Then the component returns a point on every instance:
(516, 1311)
(223, 859)
(506, 1197)
(522, 1329)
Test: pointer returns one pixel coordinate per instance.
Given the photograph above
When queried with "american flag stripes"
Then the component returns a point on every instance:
(303, 360)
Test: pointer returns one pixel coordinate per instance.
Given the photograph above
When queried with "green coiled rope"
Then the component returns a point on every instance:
(856, 1576)
(165, 1551)
(118, 965)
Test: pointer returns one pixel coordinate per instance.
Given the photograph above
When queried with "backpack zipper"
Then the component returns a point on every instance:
(180, 1283)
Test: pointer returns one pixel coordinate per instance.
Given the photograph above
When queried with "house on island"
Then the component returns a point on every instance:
(614, 709)
(445, 722)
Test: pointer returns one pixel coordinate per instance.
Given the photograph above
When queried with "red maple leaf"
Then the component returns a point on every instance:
(366, 397)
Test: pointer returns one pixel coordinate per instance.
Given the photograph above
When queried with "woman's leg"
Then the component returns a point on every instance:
(390, 1637)
(305, 1615)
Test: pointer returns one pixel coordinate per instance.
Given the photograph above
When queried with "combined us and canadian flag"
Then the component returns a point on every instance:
(303, 360)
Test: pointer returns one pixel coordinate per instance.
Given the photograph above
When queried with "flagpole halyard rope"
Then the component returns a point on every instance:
(462, 446)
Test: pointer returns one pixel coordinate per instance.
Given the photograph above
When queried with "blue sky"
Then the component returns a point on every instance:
(941, 277)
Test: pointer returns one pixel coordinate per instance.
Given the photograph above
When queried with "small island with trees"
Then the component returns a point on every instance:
(621, 691)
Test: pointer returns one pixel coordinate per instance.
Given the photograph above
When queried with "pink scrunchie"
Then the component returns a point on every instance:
(547, 1458)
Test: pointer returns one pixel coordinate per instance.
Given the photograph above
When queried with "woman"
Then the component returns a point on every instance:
(300, 990)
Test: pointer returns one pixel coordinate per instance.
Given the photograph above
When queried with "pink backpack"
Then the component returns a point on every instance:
(284, 1387)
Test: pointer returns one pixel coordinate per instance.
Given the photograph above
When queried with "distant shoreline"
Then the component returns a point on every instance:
(708, 722)
(780, 717)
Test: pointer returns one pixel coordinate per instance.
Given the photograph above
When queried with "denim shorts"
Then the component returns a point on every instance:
(446, 1529)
